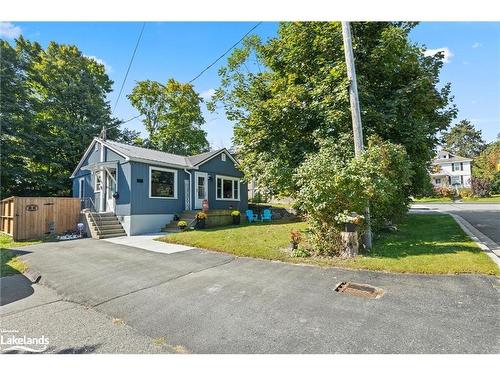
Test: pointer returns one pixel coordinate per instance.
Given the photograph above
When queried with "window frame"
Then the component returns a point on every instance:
(223, 156)
(96, 173)
(174, 171)
(81, 187)
(234, 180)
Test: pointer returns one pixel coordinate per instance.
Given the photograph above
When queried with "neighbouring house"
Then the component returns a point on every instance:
(450, 170)
(145, 188)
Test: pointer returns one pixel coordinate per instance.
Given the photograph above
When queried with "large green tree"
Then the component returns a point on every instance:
(172, 116)
(53, 102)
(486, 165)
(464, 139)
(287, 94)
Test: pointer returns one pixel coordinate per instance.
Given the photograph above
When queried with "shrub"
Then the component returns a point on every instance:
(182, 224)
(295, 236)
(465, 192)
(445, 191)
(235, 213)
(332, 181)
(300, 253)
(495, 184)
(480, 187)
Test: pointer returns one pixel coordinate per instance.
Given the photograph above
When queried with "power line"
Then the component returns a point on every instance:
(129, 65)
(225, 53)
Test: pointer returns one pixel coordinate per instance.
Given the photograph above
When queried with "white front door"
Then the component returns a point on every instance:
(200, 189)
(110, 190)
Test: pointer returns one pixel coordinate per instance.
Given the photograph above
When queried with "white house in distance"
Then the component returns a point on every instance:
(450, 170)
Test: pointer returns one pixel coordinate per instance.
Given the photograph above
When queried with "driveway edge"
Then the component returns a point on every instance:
(490, 247)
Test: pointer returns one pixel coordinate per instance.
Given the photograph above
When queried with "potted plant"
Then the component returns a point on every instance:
(295, 237)
(351, 221)
(200, 220)
(236, 215)
(182, 224)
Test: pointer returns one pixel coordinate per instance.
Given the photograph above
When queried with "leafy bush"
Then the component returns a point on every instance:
(445, 191)
(495, 184)
(300, 253)
(182, 224)
(465, 192)
(235, 213)
(332, 181)
(480, 187)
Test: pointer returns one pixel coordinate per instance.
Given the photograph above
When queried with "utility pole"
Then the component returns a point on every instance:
(355, 113)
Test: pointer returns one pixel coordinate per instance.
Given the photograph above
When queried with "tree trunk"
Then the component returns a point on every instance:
(350, 244)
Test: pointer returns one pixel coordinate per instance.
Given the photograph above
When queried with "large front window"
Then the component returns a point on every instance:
(162, 183)
(228, 188)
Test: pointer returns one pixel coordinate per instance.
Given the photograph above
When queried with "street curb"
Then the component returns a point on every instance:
(490, 247)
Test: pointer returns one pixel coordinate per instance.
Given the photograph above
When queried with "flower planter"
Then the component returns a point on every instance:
(236, 219)
(350, 227)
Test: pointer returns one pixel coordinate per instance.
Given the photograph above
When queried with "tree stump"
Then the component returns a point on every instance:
(350, 244)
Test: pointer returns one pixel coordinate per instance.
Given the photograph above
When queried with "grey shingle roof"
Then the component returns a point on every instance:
(135, 152)
(451, 159)
(195, 159)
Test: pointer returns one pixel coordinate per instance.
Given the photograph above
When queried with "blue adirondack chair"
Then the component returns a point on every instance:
(251, 216)
(266, 215)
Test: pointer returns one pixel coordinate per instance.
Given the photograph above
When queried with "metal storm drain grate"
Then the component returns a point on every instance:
(360, 290)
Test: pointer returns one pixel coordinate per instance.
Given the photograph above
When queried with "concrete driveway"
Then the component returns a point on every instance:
(215, 303)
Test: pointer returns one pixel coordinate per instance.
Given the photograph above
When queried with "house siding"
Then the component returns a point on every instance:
(142, 204)
(215, 167)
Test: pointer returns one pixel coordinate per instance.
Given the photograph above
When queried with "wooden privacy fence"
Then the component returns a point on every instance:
(27, 218)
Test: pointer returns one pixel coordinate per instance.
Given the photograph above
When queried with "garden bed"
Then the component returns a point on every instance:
(432, 244)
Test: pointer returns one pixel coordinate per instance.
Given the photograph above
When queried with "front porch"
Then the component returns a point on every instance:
(215, 218)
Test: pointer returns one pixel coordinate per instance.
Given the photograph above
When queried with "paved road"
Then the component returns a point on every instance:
(214, 303)
(485, 217)
(69, 327)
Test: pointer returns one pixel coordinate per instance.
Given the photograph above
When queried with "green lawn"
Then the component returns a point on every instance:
(10, 264)
(423, 244)
(492, 199)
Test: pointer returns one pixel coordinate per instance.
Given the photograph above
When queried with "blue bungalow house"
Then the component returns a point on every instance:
(143, 189)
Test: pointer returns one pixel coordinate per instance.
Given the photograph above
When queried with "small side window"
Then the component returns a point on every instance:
(96, 147)
(223, 157)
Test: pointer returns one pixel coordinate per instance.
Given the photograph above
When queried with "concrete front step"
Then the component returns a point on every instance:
(111, 235)
(109, 226)
(106, 219)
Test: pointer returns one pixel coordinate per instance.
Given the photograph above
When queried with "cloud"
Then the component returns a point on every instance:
(107, 67)
(9, 30)
(476, 45)
(207, 95)
(446, 52)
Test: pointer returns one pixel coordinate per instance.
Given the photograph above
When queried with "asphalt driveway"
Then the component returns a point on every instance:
(215, 303)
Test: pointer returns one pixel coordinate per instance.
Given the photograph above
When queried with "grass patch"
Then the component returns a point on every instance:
(432, 244)
(10, 264)
(492, 199)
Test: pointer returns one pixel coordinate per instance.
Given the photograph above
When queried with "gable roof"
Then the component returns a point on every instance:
(146, 155)
(135, 152)
(450, 159)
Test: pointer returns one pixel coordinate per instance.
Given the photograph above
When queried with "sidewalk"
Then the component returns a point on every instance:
(147, 242)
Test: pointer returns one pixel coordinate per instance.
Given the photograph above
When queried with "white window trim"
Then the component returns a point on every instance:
(81, 187)
(96, 190)
(174, 171)
(235, 180)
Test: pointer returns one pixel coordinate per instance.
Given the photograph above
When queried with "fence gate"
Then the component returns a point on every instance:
(33, 217)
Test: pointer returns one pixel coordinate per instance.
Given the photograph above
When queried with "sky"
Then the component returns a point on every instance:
(181, 50)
